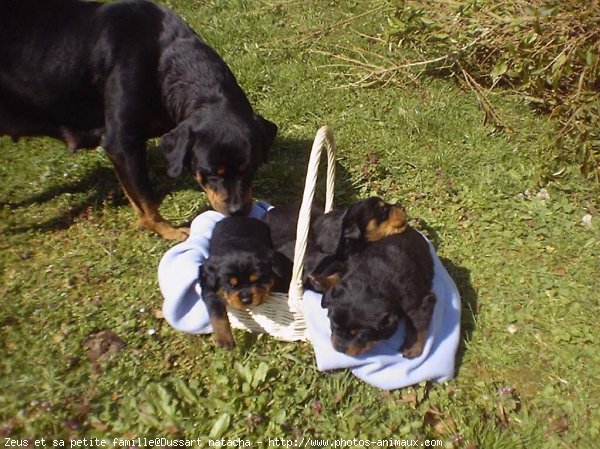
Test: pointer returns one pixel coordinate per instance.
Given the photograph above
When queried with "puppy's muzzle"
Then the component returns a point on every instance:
(246, 298)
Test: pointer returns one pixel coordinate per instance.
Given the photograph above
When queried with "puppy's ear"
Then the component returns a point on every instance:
(325, 300)
(388, 321)
(207, 275)
(350, 227)
(351, 231)
(175, 146)
(321, 284)
(268, 131)
(282, 267)
(330, 297)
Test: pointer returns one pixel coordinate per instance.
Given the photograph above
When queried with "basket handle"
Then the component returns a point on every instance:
(324, 138)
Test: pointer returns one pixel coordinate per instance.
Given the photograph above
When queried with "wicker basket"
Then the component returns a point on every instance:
(281, 315)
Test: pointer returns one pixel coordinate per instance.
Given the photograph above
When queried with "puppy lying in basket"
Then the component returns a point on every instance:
(383, 268)
(336, 235)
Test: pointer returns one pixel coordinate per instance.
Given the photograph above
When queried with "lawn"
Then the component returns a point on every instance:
(525, 257)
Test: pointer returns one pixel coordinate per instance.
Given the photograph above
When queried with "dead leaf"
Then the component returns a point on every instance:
(443, 425)
(560, 271)
(172, 429)
(558, 426)
(410, 397)
(99, 425)
(102, 345)
(339, 396)
(502, 415)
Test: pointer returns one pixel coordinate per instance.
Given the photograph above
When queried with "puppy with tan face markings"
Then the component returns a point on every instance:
(388, 281)
(239, 273)
(347, 231)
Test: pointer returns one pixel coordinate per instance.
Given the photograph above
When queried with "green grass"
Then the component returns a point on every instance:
(73, 263)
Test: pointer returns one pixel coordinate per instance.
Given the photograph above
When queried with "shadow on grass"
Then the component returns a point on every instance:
(98, 186)
(280, 181)
(468, 295)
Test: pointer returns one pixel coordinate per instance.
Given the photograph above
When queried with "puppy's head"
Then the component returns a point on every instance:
(223, 151)
(242, 279)
(358, 319)
(373, 219)
(366, 221)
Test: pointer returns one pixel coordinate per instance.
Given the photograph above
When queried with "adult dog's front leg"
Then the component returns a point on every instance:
(129, 159)
(130, 105)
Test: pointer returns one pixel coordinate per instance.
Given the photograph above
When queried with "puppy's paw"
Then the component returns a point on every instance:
(410, 351)
(225, 342)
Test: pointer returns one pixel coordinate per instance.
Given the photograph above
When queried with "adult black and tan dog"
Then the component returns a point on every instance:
(116, 74)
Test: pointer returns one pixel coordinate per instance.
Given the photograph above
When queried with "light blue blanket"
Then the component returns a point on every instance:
(383, 366)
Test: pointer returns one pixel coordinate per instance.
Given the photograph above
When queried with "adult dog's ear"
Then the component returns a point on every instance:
(267, 131)
(175, 146)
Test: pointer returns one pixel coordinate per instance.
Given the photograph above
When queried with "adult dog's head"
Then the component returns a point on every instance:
(223, 149)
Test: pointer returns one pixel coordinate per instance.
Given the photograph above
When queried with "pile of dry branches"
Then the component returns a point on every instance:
(546, 51)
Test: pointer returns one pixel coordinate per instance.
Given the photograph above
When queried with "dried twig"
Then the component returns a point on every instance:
(339, 23)
(490, 112)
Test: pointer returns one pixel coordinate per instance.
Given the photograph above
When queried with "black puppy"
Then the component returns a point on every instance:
(117, 74)
(345, 232)
(389, 280)
(239, 271)
(336, 235)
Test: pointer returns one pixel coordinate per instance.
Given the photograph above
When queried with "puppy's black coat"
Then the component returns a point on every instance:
(283, 222)
(336, 235)
(239, 271)
(389, 280)
(116, 74)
